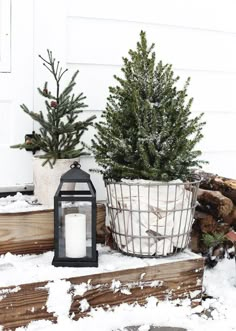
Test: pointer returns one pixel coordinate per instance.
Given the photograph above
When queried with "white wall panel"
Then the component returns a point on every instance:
(221, 163)
(106, 41)
(210, 14)
(212, 91)
(5, 123)
(89, 134)
(16, 167)
(50, 33)
(94, 82)
(88, 164)
(17, 88)
(197, 37)
(5, 83)
(5, 35)
(219, 132)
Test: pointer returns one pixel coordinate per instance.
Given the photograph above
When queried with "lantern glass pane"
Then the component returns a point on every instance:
(75, 231)
(75, 190)
(82, 186)
(68, 186)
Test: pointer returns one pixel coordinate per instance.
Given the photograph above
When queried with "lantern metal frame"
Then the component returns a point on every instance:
(75, 175)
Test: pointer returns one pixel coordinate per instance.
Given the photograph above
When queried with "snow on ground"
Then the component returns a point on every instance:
(216, 313)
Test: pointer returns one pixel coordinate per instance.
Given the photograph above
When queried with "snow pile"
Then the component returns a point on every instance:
(57, 290)
(19, 203)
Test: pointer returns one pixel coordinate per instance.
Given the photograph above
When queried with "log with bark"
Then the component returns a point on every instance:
(231, 218)
(204, 222)
(196, 243)
(215, 203)
(214, 182)
(215, 216)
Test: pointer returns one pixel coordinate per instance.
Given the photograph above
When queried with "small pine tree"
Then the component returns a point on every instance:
(146, 130)
(60, 129)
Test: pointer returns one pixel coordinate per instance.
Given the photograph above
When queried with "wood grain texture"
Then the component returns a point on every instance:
(23, 304)
(176, 280)
(33, 231)
(26, 232)
(179, 279)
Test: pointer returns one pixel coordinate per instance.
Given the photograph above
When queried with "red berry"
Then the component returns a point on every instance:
(54, 104)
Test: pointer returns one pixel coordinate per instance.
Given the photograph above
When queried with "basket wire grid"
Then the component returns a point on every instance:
(151, 219)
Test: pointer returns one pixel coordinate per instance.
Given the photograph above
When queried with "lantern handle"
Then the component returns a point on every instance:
(75, 164)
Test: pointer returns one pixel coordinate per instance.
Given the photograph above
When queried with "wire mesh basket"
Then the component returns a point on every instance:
(151, 219)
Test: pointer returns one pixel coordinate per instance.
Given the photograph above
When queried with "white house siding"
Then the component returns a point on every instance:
(16, 87)
(197, 37)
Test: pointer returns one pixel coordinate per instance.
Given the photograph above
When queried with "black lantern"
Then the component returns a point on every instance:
(75, 220)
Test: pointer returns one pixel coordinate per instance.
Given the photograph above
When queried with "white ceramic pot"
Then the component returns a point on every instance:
(47, 179)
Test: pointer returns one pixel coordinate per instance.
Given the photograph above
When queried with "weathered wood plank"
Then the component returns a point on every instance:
(179, 279)
(33, 231)
(22, 304)
(36, 246)
(173, 280)
(26, 232)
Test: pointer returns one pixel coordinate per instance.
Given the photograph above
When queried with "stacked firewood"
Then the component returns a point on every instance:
(215, 214)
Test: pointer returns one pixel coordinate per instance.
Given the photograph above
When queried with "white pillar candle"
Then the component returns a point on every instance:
(75, 235)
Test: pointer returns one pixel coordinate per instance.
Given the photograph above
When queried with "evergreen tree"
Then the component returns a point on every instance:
(146, 130)
(60, 130)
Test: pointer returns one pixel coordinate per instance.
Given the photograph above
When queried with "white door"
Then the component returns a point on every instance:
(16, 87)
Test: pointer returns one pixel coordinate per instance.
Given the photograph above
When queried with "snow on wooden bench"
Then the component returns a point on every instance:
(117, 279)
